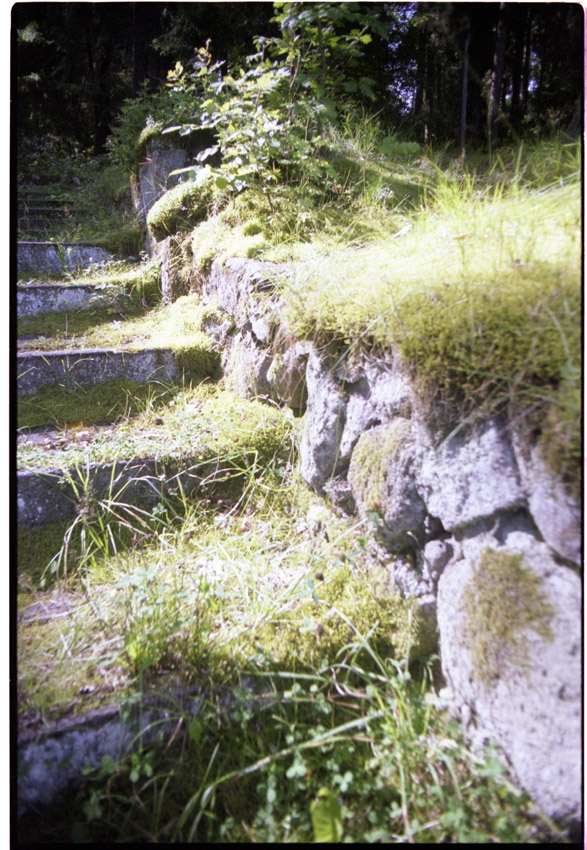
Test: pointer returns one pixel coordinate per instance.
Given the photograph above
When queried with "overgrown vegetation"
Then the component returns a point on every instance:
(345, 740)
(66, 195)
(317, 716)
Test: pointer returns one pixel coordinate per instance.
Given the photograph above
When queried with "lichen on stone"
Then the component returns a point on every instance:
(502, 602)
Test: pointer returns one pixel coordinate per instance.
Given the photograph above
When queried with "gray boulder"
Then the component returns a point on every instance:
(556, 512)
(509, 621)
(470, 477)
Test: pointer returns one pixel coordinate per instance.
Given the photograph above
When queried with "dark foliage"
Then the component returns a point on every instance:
(76, 63)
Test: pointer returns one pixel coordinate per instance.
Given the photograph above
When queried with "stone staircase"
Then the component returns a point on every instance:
(52, 495)
(42, 213)
(39, 499)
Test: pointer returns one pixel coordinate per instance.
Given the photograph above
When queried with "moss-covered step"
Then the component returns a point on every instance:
(86, 367)
(203, 439)
(36, 299)
(55, 258)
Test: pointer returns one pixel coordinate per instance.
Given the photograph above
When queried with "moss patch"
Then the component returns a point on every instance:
(180, 325)
(179, 208)
(107, 402)
(198, 360)
(314, 631)
(370, 461)
(503, 601)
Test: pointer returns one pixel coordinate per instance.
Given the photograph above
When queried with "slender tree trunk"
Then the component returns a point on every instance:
(138, 48)
(521, 13)
(465, 86)
(526, 66)
(497, 73)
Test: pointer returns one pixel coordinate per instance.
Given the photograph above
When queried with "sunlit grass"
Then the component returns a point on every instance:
(168, 326)
(196, 423)
(480, 291)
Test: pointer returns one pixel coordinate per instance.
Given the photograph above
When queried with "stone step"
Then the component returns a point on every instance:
(55, 258)
(36, 299)
(53, 756)
(52, 495)
(86, 367)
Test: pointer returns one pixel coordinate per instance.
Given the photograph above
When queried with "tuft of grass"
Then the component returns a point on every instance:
(481, 296)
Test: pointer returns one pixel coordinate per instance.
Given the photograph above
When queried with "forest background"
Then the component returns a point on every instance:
(441, 73)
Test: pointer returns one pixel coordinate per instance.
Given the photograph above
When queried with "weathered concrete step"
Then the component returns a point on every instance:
(56, 756)
(87, 367)
(35, 299)
(48, 496)
(47, 258)
(53, 758)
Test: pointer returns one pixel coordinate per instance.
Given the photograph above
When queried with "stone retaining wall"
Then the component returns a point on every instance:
(449, 501)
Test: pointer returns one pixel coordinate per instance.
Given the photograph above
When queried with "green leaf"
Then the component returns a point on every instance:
(222, 182)
(297, 768)
(195, 730)
(326, 814)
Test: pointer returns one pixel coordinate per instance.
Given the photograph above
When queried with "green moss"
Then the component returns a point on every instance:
(370, 461)
(152, 130)
(224, 236)
(179, 208)
(503, 601)
(313, 631)
(199, 358)
(482, 300)
(109, 401)
(561, 433)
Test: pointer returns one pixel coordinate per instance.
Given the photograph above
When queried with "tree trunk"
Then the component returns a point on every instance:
(521, 15)
(497, 73)
(138, 49)
(526, 66)
(465, 86)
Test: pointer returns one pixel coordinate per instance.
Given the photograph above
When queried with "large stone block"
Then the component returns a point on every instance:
(382, 473)
(527, 696)
(470, 477)
(324, 423)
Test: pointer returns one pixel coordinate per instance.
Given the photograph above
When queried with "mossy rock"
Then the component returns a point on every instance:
(199, 359)
(336, 613)
(179, 209)
(503, 601)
